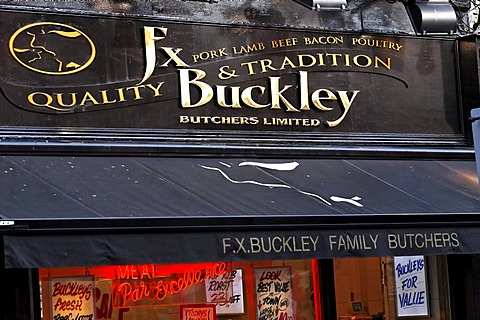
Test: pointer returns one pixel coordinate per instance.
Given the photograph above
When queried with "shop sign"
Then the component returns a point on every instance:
(226, 292)
(247, 246)
(273, 288)
(411, 285)
(334, 244)
(72, 298)
(143, 285)
(110, 73)
(197, 312)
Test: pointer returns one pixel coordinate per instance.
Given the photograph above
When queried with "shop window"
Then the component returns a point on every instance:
(391, 288)
(280, 290)
(358, 288)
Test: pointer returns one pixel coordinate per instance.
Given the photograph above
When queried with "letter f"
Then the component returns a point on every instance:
(150, 55)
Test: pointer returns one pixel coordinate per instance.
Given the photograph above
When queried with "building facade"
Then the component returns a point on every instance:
(238, 160)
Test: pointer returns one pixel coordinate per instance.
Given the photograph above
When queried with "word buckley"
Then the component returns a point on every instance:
(244, 97)
(241, 96)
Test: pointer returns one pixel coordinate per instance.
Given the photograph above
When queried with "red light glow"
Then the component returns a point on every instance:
(139, 283)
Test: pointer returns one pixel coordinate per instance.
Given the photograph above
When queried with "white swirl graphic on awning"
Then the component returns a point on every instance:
(286, 166)
(354, 200)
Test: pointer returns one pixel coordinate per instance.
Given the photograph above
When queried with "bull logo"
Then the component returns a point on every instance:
(52, 48)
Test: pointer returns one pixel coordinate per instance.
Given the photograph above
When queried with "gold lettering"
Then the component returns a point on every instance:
(321, 62)
(357, 63)
(301, 63)
(250, 66)
(304, 104)
(277, 95)
(61, 103)
(334, 57)
(105, 97)
(48, 100)
(386, 64)
(346, 103)
(266, 63)
(316, 98)
(121, 95)
(248, 100)
(289, 62)
(150, 52)
(136, 91)
(88, 97)
(156, 90)
(235, 97)
(347, 60)
(185, 82)
(378, 43)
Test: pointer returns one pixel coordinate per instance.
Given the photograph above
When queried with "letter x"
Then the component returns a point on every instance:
(240, 245)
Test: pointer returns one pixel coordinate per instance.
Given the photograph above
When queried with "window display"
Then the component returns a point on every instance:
(376, 288)
(263, 290)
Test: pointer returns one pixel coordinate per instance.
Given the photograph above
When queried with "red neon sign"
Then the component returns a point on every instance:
(139, 283)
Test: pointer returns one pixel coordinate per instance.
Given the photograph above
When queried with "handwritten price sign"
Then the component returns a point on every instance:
(273, 288)
(226, 292)
(198, 312)
(412, 299)
(72, 298)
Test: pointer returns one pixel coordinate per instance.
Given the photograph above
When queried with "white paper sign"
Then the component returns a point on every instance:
(226, 291)
(72, 298)
(410, 281)
(273, 287)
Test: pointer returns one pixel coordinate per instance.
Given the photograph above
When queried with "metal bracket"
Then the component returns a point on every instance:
(324, 5)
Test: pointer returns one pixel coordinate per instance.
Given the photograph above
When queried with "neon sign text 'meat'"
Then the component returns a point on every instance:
(140, 283)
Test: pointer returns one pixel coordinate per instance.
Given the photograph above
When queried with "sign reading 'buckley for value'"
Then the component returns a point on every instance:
(71, 71)
(410, 280)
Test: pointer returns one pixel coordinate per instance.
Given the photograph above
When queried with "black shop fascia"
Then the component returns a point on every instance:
(271, 144)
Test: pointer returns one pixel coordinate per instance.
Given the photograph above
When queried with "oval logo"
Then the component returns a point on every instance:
(52, 48)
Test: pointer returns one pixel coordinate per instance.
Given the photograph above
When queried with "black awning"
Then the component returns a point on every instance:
(71, 211)
(36, 188)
